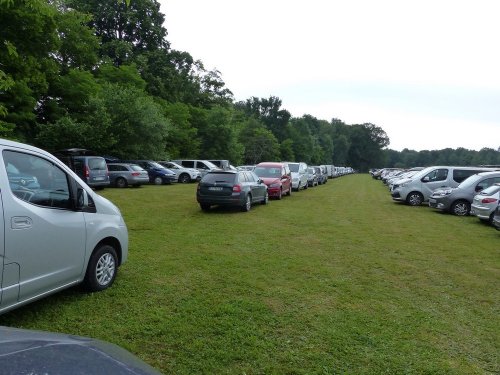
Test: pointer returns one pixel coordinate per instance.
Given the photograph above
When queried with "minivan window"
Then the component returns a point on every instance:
(38, 181)
(437, 175)
(188, 163)
(460, 175)
(294, 167)
(97, 164)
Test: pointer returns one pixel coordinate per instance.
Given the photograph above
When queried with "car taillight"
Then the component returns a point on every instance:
(237, 188)
(86, 171)
(488, 200)
(135, 173)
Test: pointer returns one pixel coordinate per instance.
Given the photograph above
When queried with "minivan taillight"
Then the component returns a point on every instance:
(237, 188)
(488, 200)
(86, 171)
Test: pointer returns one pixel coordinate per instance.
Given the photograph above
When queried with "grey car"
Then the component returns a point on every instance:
(231, 188)
(458, 200)
(484, 204)
(122, 175)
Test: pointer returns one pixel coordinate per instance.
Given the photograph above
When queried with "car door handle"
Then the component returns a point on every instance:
(21, 222)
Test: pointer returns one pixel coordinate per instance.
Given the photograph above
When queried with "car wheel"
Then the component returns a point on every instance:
(289, 190)
(248, 204)
(205, 207)
(101, 270)
(158, 181)
(121, 182)
(415, 199)
(280, 195)
(460, 208)
(306, 186)
(184, 178)
(266, 198)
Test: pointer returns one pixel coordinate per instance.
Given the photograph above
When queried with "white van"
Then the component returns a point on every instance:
(418, 188)
(203, 166)
(55, 231)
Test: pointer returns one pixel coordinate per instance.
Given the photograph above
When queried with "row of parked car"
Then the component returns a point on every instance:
(245, 185)
(458, 190)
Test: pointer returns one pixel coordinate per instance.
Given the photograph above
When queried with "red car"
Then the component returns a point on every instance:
(276, 176)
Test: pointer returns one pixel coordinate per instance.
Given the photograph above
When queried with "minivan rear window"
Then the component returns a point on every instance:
(97, 164)
(460, 175)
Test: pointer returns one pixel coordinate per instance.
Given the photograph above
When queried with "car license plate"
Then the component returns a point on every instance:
(215, 188)
(98, 178)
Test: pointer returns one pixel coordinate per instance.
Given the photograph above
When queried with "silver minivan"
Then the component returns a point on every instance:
(55, 231)
(417, 189)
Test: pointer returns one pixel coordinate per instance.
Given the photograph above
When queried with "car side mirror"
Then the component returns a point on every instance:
(426, 179)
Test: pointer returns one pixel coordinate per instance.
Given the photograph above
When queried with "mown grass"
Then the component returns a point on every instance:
(338, 279)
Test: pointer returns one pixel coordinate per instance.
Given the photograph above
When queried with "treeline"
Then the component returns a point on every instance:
(459, 157)
(100, 74)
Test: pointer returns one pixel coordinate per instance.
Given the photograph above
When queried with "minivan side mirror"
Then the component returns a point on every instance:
(84, 202)
(426, 179)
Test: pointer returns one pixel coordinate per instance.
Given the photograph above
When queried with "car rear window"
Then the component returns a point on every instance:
(135, 167)
(97, 164)
(219, 178)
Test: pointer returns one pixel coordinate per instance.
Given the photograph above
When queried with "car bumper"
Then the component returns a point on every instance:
(439, 203)
(481, 212)
(230, 200)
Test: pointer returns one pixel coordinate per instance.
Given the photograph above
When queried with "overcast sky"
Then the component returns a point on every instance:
(427, 72)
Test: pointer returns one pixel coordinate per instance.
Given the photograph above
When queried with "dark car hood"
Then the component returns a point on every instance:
(36, 352)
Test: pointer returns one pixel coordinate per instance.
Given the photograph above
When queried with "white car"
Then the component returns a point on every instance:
(484, 204)
(184, 175)
(57, 232)
(299, 175)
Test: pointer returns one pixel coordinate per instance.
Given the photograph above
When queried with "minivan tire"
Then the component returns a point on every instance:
(101, 270)
(415, 199)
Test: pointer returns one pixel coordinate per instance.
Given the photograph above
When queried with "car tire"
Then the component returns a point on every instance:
(247, 206)
(121, 182)
(205, 207)
(266, 198)
(158, 181)
(280, 195)
(306, 186)
(460, 208)
(184, 178)
(415, 198)
(101, 270)
(289, 192)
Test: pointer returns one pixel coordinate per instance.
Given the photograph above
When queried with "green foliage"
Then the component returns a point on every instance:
(124, 75)
(182, 140)
(260, 144)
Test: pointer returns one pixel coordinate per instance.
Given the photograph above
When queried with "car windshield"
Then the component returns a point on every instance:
(267, 172)
(156, 165)
(211, 178)
(294, 167)
(171, 164)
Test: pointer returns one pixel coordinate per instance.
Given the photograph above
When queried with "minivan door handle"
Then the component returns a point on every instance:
(21, 222)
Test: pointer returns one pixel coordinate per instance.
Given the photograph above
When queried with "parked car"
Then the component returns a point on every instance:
(276, 176)
(312, 177)
(56, 233)
(203, 166)
(322, 178)
(183, 175)
(122, 175)
(245, 167)
(299, 175)
(26, 351)
(484, 204)
(158, 174)
(417, 189)
(496, 218)
(223, 164)
(458, 200)
(230, 188)
(90, 167)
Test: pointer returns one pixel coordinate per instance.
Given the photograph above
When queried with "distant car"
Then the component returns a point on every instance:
(122, 175)
(24, 351)
(87, 165)
(299, 175)
(484, 204)
(458, 200)
(245, 167)
(322, 178)
(158, 174)
(230, 188)
(312, 177)
(276, 176)
(184, 175)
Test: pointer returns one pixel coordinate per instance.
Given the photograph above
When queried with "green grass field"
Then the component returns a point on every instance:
(338, 279)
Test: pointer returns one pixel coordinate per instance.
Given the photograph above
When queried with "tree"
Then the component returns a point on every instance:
(260, 144)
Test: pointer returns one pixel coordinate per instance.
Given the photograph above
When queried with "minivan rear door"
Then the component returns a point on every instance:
(45, 240)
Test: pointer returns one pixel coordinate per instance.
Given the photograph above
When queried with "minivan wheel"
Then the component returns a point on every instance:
(460, 208)
(248, 204)
(121, 182)
(184, 178)
(414, 199)
(101, 270)
(158, 181)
